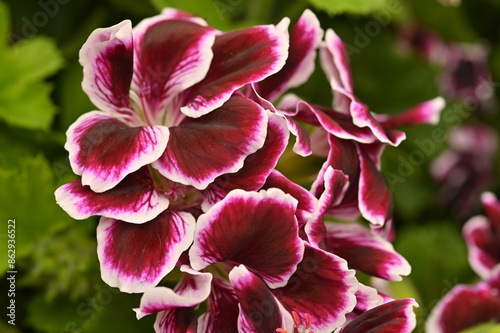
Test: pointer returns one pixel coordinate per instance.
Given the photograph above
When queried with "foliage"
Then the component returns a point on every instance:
(346, 6)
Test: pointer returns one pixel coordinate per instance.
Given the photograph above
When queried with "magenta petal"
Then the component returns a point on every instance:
(171, 56)
(336, 184)
(256, 167)
(192, 289)
(332, 121)
(133, 200)
(302, 144)
(257, 229)
(306, 201)
(322, 287)
(494, 279)
(375, 200)
(463, 307)
(374, 151)
(240, 57)
(492, 208)
(484, 251)
(222, 313)
(365, 250)
(424, 113)
(177, 320)
(335, 64)
(259, 311)
(136, 257)
(201, 149)
(104, 150)
(342, 156)
(392, 317)
(367, 298)
(304, 40)
(107, 60)
(335, 60)
(362, 117)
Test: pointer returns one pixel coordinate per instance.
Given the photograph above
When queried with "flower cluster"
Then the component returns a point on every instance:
(180, 163)
(466, 306)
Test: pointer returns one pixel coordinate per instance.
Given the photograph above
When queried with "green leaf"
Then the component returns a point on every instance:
(54, 260)
(18, 143)
(24, 97)
(334, 7)
(27, 196)
(27, 105)
(484, 328)
(4, 26)
(34, 59)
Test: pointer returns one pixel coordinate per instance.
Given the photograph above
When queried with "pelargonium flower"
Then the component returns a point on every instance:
(352, 137)
(367, 298)
(349, 120)
(466, 170)
(153, 83)
(368, 194)
(466, 76)
(392, 317)
(482, 235)
(179, 163)
(262, 270)
(467, 306)
(359, 157)
(361, 247)
(171, 123)
(305, 38)
(413, 38)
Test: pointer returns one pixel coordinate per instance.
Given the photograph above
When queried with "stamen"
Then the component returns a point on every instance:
(280, 330)
(308, 321)
(296, 318)
(176, 191)
(297, 322)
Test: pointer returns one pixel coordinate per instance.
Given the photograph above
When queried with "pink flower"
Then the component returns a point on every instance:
(171, 123)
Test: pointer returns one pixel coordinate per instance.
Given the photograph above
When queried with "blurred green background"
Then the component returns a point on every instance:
(58, 282)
